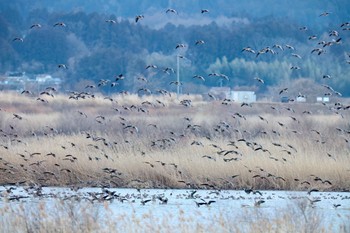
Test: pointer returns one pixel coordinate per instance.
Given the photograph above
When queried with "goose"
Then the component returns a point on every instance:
(283, 90)
(60, 24)
(325, 14)
(180, 46)
(138, 18)
(119, 77)
(278, 46)
(248, 49)
(289, 47)
(111, 21)
(258, 203)
(296, 55)
(142, 79)
(318, 51)
(199, 77)
(259, 80)
(313, 37)
(199, 42)
(204, 11)
(168, 70)
(176, 83)
(36, 25)
(16, 116)
(20, 39)
(62, 66)
(146, 90)
(334, 33)
(26, 92)
(207, 203)
(211, 96)
(151, 66)
(171, 11)
(346, 24)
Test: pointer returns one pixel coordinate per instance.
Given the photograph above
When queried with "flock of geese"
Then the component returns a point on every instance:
(199, 198)
(190, 127)
(334, 39)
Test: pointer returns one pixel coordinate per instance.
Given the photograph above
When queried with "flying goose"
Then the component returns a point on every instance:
(325, 14)
(62, 66)
(111, 21)
(180, 46)
(36, 25)
(20, 39)
(138, 18)
(259, 80)
(248, 49)
(60, 24)
(199, 77)
(171, 11)
(199, 42)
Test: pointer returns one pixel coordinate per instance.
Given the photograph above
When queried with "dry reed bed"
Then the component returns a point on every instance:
(147, 142)
(72, 216)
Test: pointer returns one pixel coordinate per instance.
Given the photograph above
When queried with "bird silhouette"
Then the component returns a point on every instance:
(36, 25)
(20, 39)
(138, 18)
(59, 24)
(170, 10)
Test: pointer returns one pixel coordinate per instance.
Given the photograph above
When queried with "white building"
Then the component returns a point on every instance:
(242, 96)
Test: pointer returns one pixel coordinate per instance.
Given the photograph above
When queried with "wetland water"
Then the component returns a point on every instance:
(191, 207)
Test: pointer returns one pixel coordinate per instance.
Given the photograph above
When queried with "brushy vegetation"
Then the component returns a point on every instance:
(157, 141)
(73, 216)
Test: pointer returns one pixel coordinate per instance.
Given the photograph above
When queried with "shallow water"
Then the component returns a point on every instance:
(181, 204)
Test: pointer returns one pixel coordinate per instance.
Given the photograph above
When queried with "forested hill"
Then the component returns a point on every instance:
(295, 10)
(101, 40)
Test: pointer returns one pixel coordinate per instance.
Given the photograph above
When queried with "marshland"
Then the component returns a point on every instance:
(156, 142)
(173, 160)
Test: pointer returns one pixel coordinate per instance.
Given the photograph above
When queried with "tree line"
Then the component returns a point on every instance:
(97, 46)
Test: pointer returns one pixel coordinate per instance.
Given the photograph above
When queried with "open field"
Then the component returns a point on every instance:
(160, 141)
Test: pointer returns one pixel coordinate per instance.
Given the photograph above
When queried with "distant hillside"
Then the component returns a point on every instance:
(101, 40)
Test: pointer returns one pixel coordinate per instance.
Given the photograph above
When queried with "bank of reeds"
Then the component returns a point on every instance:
(66, 216)
(157, 141)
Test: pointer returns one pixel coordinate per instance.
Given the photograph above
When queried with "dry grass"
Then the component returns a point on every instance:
(67, 216)
(309, 150)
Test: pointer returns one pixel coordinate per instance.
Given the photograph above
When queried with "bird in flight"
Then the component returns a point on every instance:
(62, 66)
(60, 24)
(283, 90)
(248, 49)
(325, 14)
(36, 25)
(180, 46)
(20, 39)
(259, 80)
(170, 10)
(112, 21)
(138, 18)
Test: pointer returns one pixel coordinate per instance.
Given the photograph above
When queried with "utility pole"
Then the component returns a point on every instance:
(178, 75)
